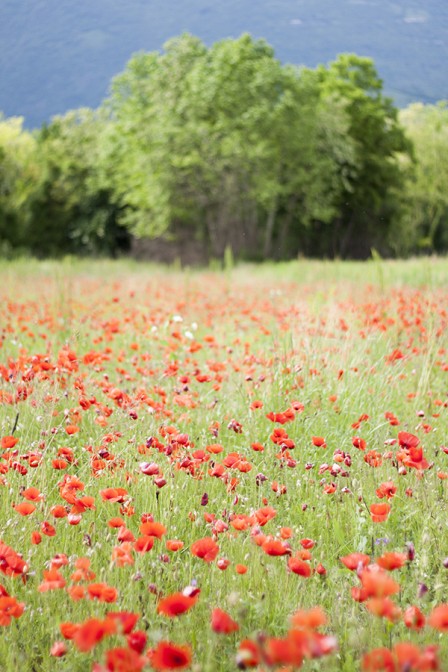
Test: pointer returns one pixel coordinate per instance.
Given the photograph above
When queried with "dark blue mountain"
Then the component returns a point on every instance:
(62, 54)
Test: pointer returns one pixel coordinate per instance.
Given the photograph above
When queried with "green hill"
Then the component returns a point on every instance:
(60, 54)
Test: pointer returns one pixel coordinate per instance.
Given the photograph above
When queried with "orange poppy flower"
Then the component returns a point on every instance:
(53, 580)
(68, 630)
(264, 515)
(310, 618)
(174, 545)
(354, 560)
(384, 608)
(102, 592)
(113, 494)
(386, 489)
(48, 529)
(379, 512)
(25, 508)
(240, 569)
(377, 582)
(32, 495)
(153, 529)
(122, 554)
(392, 561)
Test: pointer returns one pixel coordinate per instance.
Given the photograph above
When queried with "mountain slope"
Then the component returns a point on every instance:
(60, 54)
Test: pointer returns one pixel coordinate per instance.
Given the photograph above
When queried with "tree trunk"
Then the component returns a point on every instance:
(267, 250)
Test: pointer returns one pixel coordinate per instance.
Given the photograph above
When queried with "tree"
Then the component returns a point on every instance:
(369, 199)
(222, 141)
(17, 176)
(426, 192)
(72, 209)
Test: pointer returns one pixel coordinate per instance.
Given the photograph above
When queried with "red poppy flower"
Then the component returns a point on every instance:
(123, 659)
(169, 656)
(137, 640)
(92, 632)
(205, 548)
(377, 582)
(222, 623)
(176, 604)
(9, 442)
(53, 580)
(114, 494)
(407, 440)
(249, 654)
(11, 563)
(309, 618)
(25, 508)
(10, 608)
(413, 618)
(153, 529)
(438, 618)
(299, 567)
(102, 592)
(58, 649)
(124, 620)
(384, 608)
(275, 547)
(392, 561)
(378, 660)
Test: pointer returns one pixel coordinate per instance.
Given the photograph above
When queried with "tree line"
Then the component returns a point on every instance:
(231, 148)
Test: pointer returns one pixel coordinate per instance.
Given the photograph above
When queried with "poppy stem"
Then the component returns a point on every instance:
(16, 422)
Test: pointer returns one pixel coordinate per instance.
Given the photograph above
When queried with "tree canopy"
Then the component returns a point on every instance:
(227, 146)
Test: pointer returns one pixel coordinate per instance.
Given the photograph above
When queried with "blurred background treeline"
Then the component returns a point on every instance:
(206, 149)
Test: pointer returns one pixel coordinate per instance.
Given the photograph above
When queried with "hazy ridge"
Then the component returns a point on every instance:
(58, 54)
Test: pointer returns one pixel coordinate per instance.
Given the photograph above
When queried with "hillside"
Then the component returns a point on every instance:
(60, 54)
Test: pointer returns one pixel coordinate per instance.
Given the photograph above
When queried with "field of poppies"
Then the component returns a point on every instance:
(222, 470)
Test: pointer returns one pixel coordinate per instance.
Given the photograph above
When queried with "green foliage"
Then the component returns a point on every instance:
(225, 148)
(368, 200)
(72, 209)
(16, 174)
(426, 193)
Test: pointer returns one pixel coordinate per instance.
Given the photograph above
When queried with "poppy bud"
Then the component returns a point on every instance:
(411, 551)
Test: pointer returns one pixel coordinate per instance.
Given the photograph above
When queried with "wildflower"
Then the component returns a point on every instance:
(222, 623)
(168, 656)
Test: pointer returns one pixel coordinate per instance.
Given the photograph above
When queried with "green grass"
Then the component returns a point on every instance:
(314, 332)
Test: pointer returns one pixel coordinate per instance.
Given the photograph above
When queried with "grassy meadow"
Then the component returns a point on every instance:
(224, 469)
